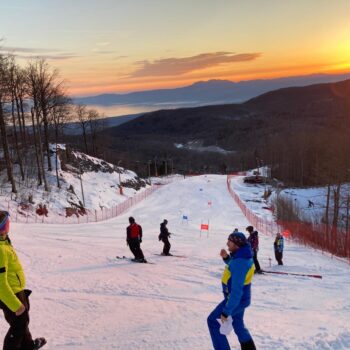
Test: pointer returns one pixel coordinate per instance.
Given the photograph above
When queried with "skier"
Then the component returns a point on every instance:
(278, 245)
(134, 239)
(253, 239)
(236, 284)
(13, 297)
(164, 237)
(311, 204)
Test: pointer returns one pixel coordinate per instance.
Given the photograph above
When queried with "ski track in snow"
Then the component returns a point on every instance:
(85, 298)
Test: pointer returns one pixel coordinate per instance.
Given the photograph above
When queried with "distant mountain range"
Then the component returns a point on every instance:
(210, 92)
(218, 134)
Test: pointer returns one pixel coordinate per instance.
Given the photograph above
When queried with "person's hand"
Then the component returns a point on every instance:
(20, 310)
(223, 318)
(223, 253)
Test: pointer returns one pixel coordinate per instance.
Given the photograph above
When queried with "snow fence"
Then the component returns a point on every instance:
(79, 216)
(318, 236)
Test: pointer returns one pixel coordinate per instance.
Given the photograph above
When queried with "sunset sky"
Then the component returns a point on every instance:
(122, 46)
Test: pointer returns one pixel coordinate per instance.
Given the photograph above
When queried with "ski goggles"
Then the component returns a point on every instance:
(5, 221)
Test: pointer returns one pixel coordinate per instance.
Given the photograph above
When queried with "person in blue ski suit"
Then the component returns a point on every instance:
(278, 246)
(236, 284)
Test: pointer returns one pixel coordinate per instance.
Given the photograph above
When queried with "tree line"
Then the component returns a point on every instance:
(310, 159)
(34, 111)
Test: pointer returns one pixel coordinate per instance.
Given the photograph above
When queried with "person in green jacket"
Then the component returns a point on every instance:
(14, 298)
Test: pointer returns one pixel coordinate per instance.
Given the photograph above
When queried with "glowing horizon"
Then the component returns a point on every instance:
(111, 47)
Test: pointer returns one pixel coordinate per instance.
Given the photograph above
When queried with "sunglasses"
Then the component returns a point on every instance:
(3, 222)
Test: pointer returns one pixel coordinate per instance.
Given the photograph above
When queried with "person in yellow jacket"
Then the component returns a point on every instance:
(14, 298)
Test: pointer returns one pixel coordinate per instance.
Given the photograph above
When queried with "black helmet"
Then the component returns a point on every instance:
(238, 238)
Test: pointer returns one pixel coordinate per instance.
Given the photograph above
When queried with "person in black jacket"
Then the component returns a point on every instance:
(253, 239)
(164, 237)
(134, 238)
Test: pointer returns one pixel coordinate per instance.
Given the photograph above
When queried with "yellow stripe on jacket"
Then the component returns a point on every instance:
(12, 278)
(227, 275)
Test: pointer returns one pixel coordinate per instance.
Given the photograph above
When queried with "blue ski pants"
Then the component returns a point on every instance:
(219, 340)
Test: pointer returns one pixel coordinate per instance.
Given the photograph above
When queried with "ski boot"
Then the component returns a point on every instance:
(39, 343)
(248, 345)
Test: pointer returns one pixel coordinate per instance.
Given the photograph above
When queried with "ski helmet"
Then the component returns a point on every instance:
(238, 238)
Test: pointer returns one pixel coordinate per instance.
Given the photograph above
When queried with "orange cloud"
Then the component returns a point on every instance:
(180, 66)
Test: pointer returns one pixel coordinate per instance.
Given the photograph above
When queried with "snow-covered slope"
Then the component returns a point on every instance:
(85, 299)
(85, 182)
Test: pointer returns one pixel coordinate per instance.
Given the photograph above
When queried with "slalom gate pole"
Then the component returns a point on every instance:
(294, 274)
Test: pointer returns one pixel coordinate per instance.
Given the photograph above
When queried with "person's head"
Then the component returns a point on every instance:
(131, 220)
(235, 230)
(250, 229)
(4, 223)
(278, 235)
(165, 221)
(235, 241)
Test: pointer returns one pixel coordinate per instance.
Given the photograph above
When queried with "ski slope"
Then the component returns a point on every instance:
(85, 299)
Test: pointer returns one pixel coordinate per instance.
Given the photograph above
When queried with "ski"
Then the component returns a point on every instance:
(175, 256)
(133, 260)
(293, 274)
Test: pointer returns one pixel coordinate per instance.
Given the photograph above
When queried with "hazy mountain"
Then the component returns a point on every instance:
(209, 92)
(74, 128)
(230, 130)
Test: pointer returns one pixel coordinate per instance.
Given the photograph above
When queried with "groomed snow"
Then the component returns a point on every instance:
(85, 299)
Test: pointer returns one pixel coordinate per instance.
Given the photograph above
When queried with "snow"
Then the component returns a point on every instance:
(318, 196)
(97, 190)
(252, 196)
(84, 298)
(197, 146)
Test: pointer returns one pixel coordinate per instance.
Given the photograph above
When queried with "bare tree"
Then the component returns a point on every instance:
(37, 120)
(47, 86)
(60, 114)
(38, 163)
(83, 119)
(12, 81)
(95, 125)
(21, 94)
(4, 70)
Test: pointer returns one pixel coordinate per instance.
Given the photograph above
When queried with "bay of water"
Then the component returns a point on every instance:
(127, 109)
